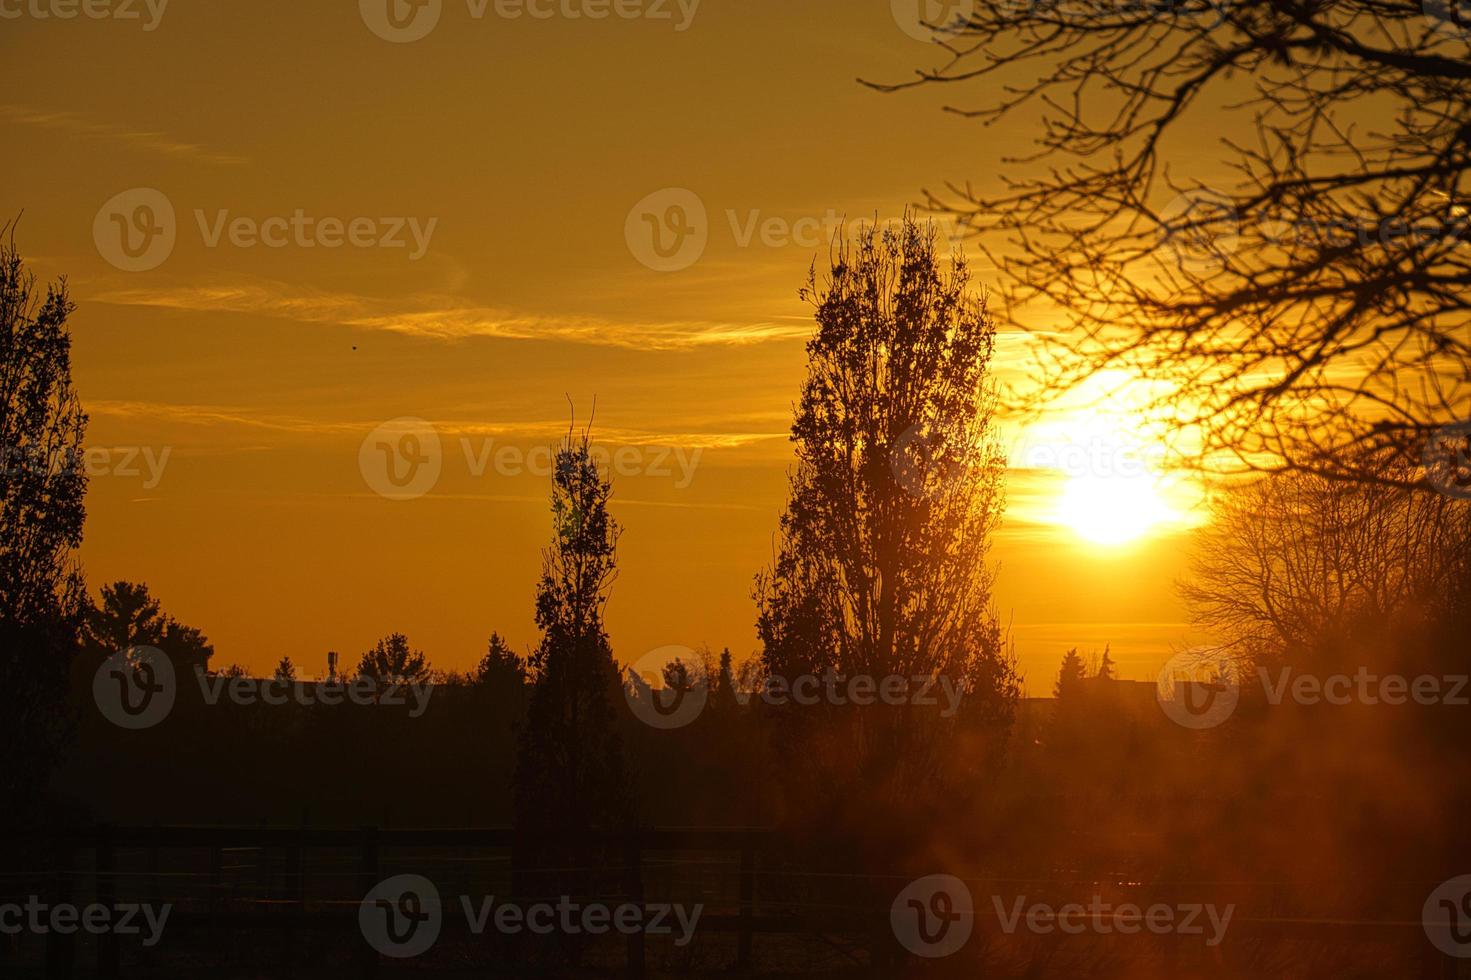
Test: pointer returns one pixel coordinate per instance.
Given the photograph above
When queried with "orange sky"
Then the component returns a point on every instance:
(518, 148)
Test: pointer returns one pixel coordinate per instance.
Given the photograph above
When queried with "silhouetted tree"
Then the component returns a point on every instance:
(1070, 676)
(882, 561)
(42, 485)
(569, 770)
(1105, 669)
(1311, 303)
(723, 692)
(1292, 562)
(392, 661)
(285, 671)
(130, 616)
(881, 565)
(501, 665)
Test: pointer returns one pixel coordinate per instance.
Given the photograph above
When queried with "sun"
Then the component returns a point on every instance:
(1114, 510)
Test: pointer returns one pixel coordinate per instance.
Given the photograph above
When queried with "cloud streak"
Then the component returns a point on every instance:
(549, 431)
(149, 141)
(442, 318)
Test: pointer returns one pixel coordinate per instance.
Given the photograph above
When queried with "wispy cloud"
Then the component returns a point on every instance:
(548, 431)
(149, 141)
(445, 318)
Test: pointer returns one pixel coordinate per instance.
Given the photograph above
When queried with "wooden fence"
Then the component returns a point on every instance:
(209, 893)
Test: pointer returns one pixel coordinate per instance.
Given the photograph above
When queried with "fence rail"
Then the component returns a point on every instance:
(279, 901)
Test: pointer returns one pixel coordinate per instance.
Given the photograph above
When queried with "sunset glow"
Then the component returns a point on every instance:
(1114, 510)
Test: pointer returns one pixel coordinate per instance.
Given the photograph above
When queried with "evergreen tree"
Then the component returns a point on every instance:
(1070, 676)
(500, 665)
(392, 661)
(724, 693)
(130, 616)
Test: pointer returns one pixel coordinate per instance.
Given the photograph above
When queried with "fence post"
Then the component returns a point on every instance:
(748, 902)
(634, 887)
(104, 875)
(295, 895)
(367, 878)
(61, 949)
(216, 882)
